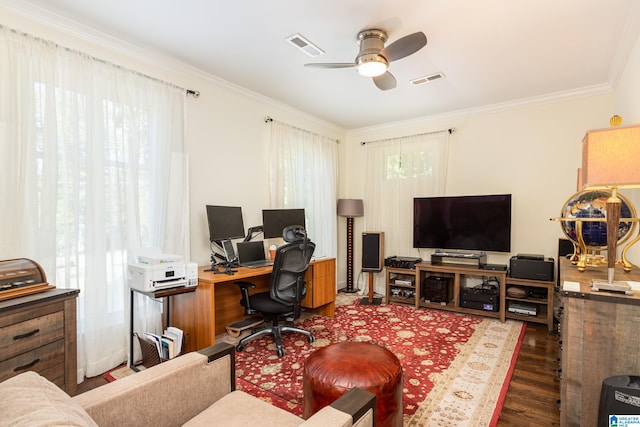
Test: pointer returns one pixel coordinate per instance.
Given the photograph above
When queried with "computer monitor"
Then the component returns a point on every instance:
(276, 220)
(225, 223)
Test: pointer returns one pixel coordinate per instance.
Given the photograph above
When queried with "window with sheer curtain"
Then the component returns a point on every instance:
(94, 168)
(397, 170)
(303, 171)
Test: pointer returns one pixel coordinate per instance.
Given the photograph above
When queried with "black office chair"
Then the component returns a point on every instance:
(286, 289)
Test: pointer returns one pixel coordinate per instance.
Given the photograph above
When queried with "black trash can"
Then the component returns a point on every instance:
(619, 401)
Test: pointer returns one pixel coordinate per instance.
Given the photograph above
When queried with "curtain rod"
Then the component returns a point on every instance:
(450, 130)
(194, 93)
(268, 119)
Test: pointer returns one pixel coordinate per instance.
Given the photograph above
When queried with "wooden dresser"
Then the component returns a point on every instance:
(38, 333)
(599, 339)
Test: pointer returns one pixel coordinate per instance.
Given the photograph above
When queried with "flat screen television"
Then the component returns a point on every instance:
(225, 223)
(276, 220)
(474, 223)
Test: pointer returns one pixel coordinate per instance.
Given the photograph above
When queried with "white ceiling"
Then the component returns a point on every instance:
(491, 52)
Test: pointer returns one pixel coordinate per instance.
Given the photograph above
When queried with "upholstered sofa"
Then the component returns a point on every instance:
(196, 389)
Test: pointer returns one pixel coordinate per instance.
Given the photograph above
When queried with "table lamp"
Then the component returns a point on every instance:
(611, 160)
(350, 208)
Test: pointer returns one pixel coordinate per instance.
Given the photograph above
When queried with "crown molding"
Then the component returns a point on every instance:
(183, 70)
(145, 56)
(551, 98)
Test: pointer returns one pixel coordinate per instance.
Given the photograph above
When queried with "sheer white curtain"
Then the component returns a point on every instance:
(397, 170)
(303, 170)
(93, 168)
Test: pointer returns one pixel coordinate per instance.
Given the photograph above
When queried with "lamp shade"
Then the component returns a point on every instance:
(611, 158)
(350, 207)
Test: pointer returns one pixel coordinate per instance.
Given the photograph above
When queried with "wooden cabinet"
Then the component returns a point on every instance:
(321, 287)
(401, 285)
(540, 294)
(38, 333)
(599, 339)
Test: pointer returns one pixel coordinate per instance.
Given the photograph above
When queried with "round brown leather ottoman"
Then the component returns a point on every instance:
(333, 370)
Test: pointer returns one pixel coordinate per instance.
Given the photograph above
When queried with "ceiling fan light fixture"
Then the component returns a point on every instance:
(372, 65)
(372, 69)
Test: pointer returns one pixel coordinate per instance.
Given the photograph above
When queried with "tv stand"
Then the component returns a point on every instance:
(440, 286)
(417, 286)
(439, 257)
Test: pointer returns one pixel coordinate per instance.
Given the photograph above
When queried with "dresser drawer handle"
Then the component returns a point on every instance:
(27, 335)
(27, 366)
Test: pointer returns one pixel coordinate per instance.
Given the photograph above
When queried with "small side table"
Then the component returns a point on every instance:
(162, 293)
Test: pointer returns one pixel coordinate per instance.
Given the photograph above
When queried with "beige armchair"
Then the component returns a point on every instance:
(196, 389)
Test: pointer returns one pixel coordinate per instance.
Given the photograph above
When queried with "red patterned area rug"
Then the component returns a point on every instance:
(456, 367)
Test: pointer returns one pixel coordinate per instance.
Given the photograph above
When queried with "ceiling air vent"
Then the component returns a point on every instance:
(305, 45)
(427, 79)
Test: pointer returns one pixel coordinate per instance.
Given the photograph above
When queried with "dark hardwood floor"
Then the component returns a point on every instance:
(533, 392)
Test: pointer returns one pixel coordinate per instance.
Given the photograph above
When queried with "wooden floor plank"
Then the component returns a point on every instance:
(534, 390)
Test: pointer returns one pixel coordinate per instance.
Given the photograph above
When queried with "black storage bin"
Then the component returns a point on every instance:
(437, 289)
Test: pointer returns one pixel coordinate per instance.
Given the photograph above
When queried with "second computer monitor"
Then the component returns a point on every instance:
(276, 220)
(225, 222)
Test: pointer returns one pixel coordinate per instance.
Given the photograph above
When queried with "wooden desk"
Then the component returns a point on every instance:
(215, 304)
(599, 340)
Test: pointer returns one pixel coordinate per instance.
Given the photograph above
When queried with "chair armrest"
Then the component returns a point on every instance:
(167, 394)
(246, 301)
(356, 407)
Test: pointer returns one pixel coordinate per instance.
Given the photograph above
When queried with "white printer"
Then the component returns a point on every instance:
(156, 272)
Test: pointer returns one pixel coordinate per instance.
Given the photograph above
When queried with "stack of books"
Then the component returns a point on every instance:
(169, 344)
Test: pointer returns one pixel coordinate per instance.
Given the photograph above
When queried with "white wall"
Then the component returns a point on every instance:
(531, 152)
(226, 132)
(227, 148)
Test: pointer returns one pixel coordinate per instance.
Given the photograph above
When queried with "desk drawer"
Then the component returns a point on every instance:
(321, 283)
(42, 360)
(31, 334)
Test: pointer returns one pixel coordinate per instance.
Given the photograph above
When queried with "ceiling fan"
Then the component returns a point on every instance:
(373, 58)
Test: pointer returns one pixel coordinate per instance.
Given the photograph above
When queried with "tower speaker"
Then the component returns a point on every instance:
(372, 251)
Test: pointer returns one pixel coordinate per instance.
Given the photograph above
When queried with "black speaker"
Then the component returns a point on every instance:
(533, 269)
(372, 251)
(565, 247)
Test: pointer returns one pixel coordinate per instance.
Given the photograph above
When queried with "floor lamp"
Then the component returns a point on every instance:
(610, 160)
(350, 208)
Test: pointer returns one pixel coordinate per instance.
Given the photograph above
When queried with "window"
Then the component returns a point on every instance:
(96, 152)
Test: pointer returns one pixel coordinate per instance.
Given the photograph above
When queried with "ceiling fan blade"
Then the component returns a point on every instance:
(331, 65)
(385, 81)
(405, 46)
